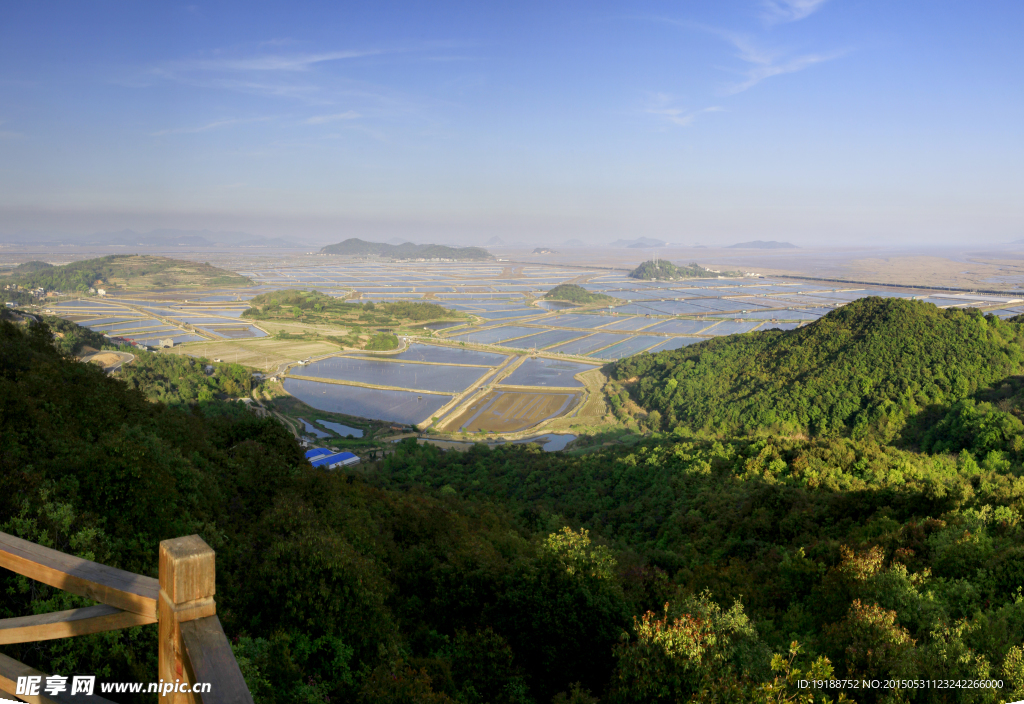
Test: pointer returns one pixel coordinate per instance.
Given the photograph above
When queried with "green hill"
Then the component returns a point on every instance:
(862, 369)
(663, 270)
(316, 307)
(131, 271)
(576, 294)
(356, 247)
(31, 267)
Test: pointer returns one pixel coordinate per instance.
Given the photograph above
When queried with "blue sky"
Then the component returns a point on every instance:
(815, 121)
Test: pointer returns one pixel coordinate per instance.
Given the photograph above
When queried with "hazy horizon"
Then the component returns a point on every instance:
(817, 122)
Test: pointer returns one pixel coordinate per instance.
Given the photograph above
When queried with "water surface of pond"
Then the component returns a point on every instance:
(377, 404)
(365, 370)
(342, 430)
(547, 372)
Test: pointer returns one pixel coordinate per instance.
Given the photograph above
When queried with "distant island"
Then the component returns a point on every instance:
(355, 247)
(639, 243)
(576, 294)
(662, 269)
(119, 271)
(763, 244)
(544, 250)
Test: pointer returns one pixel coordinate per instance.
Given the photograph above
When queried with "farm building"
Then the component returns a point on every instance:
(332, 460)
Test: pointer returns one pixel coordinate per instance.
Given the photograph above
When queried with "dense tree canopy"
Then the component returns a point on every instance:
(862, 370)
(576, 294)
(664, 269)
(689, 566)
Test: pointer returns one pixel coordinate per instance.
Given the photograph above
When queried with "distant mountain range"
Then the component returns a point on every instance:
(355, 247)
(762, 244)
(156, 238)
(639, 243)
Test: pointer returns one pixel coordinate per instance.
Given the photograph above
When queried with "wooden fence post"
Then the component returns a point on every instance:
(187, 586)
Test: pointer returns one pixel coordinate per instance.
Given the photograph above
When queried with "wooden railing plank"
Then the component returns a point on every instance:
(107, 585)
(65, 624)
(212, 661)
(11, 670)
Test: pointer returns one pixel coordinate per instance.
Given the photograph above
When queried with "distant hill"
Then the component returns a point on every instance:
(663, 269)
(124, 271)
(495, 242)
(31, 267)
(576, 294)
(763, 244)
(543, 250)
(355, 247)
(640, 243)
(159, 238)
(861, 370)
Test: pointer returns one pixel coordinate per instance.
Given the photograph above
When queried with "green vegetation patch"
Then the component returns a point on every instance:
(576, 294)
(71, 338)
(382, 341)
(862, 370)
(318, 308)
(665, 270)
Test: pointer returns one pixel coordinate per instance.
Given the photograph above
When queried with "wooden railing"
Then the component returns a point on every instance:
(192, 644)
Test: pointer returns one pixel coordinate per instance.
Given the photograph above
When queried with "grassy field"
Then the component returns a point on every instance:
(262, 353)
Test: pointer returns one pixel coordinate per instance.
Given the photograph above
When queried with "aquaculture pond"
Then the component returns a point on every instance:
(428, 377)
(377, 404)
(443, 325)
(340, 429)
(544, 339)
(448, 355)
(674, 343)
(629, 347)
(547, 372)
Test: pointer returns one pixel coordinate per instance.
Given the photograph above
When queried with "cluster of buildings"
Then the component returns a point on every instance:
(327, 459)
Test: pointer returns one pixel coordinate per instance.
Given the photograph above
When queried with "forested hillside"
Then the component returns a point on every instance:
(665, 270)
(576, 294)
(863, 370)
(689, 567)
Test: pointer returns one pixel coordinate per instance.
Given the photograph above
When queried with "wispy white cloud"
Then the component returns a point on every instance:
(266, 62)
(323, 119)
(210, 126)
(764, 64)
(267, 72)
(790, 10)
(662, 106)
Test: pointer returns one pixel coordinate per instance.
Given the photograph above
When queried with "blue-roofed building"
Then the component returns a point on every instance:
(341, 459)
(317, 452)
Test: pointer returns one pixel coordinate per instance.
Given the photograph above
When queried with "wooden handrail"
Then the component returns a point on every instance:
(192, 644)
(107, 585)
(212, 660)
(64, 624)
(11, 670)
